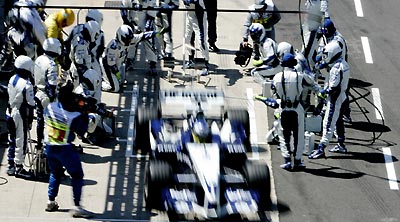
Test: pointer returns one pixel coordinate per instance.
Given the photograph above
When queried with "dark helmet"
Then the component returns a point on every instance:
(288, 60)
(328, 28)
(66, 96)
(257, 32)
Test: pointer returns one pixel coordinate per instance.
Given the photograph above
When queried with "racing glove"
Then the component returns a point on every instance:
(323, 94)
(268, 101)
(321, 65)
(258, 63)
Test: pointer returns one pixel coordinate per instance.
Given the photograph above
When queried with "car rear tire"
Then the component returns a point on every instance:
(258, 179)
(158, 175)
(144, 116)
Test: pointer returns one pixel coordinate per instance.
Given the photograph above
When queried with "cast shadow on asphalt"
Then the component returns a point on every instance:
(331, 172)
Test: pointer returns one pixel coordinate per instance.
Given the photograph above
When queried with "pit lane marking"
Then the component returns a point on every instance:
(131, 124)
(253, 127)
(359, 9)
(367, 50)
(390, 168)
(376, 97)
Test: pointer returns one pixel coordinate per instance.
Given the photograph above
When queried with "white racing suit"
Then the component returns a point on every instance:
(268, 65)
(317, 10)
(164, 21)
(26, 33)
(196, 21)
(265, 18)
(45, 72)
(22, 103)
(80, 57)
(309, 84)
(114, 61)
(92, 88)
(289, 86)
(337, 84)
(141, 21)
(96, 50)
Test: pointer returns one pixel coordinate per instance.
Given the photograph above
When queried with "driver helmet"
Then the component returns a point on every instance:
(201, 131)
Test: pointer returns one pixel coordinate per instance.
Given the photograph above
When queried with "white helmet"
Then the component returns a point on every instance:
(124, 34)
(52, 45)
(127, 3)
(94, 77)
(259, 4)
(331, 53)
(24, 63)
(37, 2)
(94, 30)
(96, 15)
(284, 47)
(257, 32)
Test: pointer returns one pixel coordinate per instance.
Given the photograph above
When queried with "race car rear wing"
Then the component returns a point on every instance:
(190, 100)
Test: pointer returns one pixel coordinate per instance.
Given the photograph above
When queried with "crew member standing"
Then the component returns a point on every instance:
(212, 8)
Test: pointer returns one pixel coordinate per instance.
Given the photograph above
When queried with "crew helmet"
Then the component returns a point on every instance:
(93, 28)
(52, 47)
(257, 32)
(127, 3)
(36, 2)
(96, 15)
(65, 17)
(331, 52)
(288, 60)
(124, 34)
(328, 29)
(24, 63)
(259, 4)
(200, 130)
(284, 47)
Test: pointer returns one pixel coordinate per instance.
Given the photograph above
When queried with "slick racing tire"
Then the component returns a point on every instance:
(144, 116)
(258, 179)
(158, 176)
(241, 116)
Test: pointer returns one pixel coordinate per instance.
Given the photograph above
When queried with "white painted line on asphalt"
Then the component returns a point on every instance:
(131, 125)
(367, 50)
(253, 125)
(359, 9)
(377, 102)
(390, 168)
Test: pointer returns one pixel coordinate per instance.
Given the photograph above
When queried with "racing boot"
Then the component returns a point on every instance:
(318, 153)
(11, 168)
(205, 70)
(51, 206)
(190, 64)
(213, 48)
(288, 164)
(79, 212)
(298, 165)
(20, 172)
(339, 148)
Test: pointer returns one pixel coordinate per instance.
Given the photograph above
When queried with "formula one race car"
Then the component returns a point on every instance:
(198, 163)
